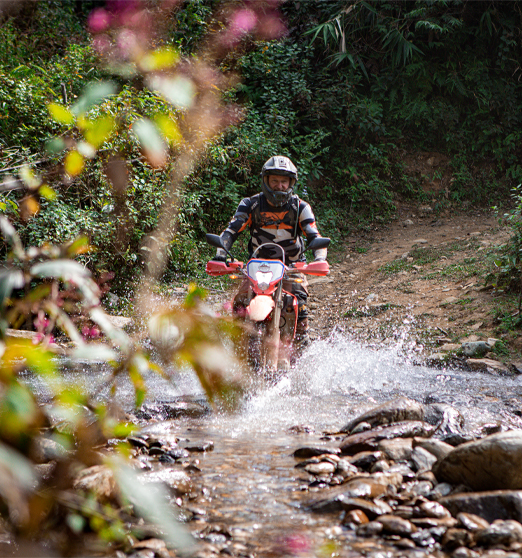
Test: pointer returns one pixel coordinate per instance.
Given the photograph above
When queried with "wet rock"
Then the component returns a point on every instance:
(355, 517)
(429, 522)
(422, 459)
(363, 488)
(179, 481)
(463, 552)
(380, 466)
(455, 538)
(457, 439)
(365, 459)
(361, 427)
(345, 468)
(398, 410)
(500, 533)
(371, 529)
(472, 522)
(186, 407)
(99, 480)
(418, 489)
(45, 449)
(398, 449)
(314, 451)
(495, 462)
(177, 453)
(423, 538)
(404, 470)
(491, 505)
(446, 418)
(397, 525)
(200, 447)
(339, 502)
(138, 442)
(488, 365)
(475, 348)
(434, 509)
(321, 468)
(438, 448)
(369, 441)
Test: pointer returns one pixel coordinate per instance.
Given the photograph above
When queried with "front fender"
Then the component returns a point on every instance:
(260, 307)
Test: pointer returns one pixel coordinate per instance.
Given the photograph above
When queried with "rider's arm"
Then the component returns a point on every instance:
(241, 220)
(309, 228)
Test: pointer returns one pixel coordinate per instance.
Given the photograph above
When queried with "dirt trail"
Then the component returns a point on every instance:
(423, 273)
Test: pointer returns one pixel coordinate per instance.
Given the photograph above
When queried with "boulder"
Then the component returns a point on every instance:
(99, 480)
(397, 410)
(369, 440)
(422, 459)
(490, 505)
(487, 365)
(397, 449)
(438, 448)
(493, 463)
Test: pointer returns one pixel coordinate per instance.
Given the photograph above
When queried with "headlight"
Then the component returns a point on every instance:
(263, 279)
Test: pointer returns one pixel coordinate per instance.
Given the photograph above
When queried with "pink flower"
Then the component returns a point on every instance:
(99, 20)
(243, 21)
(297, 543)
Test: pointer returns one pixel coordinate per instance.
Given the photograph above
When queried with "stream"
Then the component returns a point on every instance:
(248, 498)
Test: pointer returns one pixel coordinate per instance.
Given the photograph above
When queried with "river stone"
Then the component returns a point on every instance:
(45, 449)
(488, 365)
(356, 517)
(491, 505)
(475, 348)
(363, 488)
(472, 522)
(500, 532)
(371, 529)
(398, 410)
(396, 525)
(422, 459)
(495, 462)
(455, 538)
(438, 448)
(322, 468)
(314, 451)
(98, 479)
(398, 449)
(339, 502)
(345, 468)
(369, 441)
(434, 509)
(177, 480)
(365, 459)
(446, 418)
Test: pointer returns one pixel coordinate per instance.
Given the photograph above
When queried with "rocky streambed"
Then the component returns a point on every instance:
(357, 452)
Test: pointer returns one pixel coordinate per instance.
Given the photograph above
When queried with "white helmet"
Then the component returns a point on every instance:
(282, 166)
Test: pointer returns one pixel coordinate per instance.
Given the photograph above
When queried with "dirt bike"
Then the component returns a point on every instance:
(271, 311)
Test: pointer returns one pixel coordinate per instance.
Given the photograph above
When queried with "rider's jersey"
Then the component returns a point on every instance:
(284, 226)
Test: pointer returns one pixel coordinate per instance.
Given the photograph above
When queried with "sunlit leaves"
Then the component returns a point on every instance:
(61, 114)
(65, 269)
(159, 59)
(178, 90)
(168, 128)
(94, 94)
(151, 142)
(10, 279)
(74, 163)
(97, 131)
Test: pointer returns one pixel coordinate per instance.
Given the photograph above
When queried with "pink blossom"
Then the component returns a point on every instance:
(297, 543)
(99, 20)
(243, 20)
(270, 27)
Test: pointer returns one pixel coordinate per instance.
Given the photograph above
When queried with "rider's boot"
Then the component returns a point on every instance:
(302, 337)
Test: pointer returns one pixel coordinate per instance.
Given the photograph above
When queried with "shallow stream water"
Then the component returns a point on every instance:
(248, 485)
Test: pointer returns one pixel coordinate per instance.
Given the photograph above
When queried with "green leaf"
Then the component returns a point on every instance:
(47, 192)
(55, 146)
(11, 236)
(179, 91)
(94, 94)
(151, 141)
(100, 130)
(10, 279)
(64, 269)
(61, 114)
(95, 352)
(150, 502)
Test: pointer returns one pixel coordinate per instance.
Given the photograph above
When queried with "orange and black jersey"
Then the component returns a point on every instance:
(284, 226)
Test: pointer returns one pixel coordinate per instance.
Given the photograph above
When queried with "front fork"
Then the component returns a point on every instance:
(273, 333)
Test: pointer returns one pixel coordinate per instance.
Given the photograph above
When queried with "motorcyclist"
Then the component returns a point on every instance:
(279, 216)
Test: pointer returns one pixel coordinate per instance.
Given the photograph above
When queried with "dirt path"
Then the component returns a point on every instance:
(421, 277)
